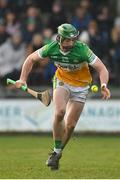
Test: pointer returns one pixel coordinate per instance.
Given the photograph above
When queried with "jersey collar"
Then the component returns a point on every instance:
(64, 53)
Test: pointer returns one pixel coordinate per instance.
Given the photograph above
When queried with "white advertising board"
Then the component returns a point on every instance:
(31, 115)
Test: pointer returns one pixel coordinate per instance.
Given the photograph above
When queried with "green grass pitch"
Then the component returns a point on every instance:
(24, 156)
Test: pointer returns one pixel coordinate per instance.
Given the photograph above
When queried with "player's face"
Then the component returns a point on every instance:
(67, 44)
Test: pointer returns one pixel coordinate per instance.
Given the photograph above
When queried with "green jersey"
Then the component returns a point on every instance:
(71, 60)
(72, 65)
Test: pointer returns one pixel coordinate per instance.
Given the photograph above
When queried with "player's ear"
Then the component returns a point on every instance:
(58, 38)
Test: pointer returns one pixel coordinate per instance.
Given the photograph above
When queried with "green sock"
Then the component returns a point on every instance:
(57, 144)
(62, 146)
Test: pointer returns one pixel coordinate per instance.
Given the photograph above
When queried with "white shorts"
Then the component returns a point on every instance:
(76, 93)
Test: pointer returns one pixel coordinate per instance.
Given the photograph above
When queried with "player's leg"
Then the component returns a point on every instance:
(73, 113)
(60, 99)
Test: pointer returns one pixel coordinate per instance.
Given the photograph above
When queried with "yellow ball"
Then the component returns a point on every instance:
(94, 88)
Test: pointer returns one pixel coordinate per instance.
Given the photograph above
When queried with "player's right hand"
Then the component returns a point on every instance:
(20, 83)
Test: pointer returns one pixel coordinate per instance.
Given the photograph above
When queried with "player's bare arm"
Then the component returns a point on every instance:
(27, 67)
(104, 77)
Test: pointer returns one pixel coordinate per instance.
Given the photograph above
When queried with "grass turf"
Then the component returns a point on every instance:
(23, 157)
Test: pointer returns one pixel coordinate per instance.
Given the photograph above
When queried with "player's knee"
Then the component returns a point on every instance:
(70, 126)
(60, 114)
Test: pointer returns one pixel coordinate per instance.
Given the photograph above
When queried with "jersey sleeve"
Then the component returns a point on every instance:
(89, 56)
(43, 52)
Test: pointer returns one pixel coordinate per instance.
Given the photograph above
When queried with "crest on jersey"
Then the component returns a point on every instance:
(61, 83)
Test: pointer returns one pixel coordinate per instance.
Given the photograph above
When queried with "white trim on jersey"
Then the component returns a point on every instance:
(91, 63)
(38, 51)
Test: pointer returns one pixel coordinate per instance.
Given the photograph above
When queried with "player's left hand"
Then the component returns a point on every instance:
(106, 93)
